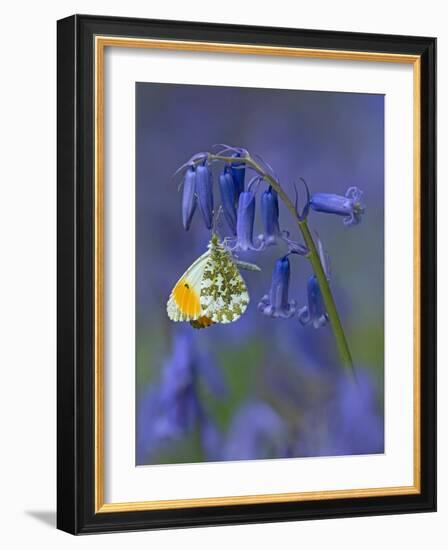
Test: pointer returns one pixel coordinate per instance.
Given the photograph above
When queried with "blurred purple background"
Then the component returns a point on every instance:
(281, 390)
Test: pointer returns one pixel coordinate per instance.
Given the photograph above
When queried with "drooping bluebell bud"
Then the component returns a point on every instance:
(349, 206)
(314, 313)
(245, 223)
(238, 174)
(188, 197)
(204, 190)
(269, 216)
(276, 303)
(228, 197)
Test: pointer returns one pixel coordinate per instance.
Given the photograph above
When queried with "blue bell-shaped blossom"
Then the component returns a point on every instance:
(245, 224)
(238, 173)
(172, 408)
(189, 197)
(228, 197)
(256, 431)
(352, 420)
(271, 227)
(314, 313)
(204, 190)
(276, 303)
(349, 206)
(269, 216)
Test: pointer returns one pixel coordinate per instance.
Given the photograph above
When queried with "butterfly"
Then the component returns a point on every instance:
(212, 289)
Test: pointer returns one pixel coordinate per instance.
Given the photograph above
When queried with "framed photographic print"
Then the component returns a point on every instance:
(246, 274)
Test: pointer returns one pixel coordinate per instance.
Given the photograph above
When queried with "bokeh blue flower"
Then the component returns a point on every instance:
(349, 424)
(256, 431)
(172, 409)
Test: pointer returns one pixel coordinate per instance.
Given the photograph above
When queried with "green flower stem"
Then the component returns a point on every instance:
(313, 257)
(330, 306)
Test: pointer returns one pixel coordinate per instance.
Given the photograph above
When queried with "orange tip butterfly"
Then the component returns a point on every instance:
(212, 289)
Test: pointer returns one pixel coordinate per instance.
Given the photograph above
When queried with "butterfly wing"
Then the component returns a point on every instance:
(184, 301)
(224, 297)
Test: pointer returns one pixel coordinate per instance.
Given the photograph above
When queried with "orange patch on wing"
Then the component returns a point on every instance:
(187, 299)
(202, 322)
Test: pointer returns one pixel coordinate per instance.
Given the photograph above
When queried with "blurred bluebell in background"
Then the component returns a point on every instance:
(262, 387)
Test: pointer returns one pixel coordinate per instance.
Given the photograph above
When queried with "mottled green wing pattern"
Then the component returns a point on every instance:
(224, 296)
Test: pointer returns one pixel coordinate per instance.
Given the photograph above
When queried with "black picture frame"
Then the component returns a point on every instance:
(76, 512)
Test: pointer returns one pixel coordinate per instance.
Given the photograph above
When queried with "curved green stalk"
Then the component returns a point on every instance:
(313, 257)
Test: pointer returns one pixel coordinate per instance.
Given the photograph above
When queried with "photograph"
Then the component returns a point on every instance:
(259, 261)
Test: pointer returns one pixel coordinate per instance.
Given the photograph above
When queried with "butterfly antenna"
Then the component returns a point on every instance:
(216, 219)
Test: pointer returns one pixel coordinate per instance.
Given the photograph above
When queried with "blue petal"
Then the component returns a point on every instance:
(349, 206)
(238, 173)
(256, 431)
(204, 189)
(331, 204)
(188, 197)
(245, 223)
(228, 198)
(315, 312)
(276, 303)
(270, 214)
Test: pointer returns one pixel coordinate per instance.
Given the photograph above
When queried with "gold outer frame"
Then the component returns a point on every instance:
(101, 42)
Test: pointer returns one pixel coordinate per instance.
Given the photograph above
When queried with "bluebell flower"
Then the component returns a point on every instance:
(211, 438)
(272, 234)
(269, 215)
(245, 223)
(172, 409)
(276, 303)
(314, 313)
(349, 206)
(238, 173)
(188, 197)
(356, 420)
(178, 399)
(228, 197)
(256, 431)
(146, 440)
(204, 190)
